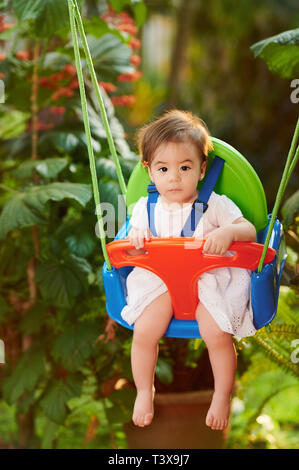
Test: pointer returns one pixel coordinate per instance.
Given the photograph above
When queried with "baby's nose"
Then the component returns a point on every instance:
(174, 175)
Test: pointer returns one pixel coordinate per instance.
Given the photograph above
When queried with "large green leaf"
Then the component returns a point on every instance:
(106, 168)
(60, 281)
(38, 195)
(80, 243)
(63, 141)
(78, 236)
(23, 209)
(51, 167)
(280, 52)
(290, 208)
(17, 214)
(34, 320)
(13, 124)
(48, 168)
(140, 12)
(110, 55)
(54, 403)
(48, 15)
(24, 377)
(74, 345)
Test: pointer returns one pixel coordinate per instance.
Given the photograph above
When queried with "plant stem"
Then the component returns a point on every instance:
(289, 166)
(34, 103)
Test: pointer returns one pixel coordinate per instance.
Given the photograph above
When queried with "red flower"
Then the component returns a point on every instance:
(40, 126)
(107, 86)
(47, 82)
(135, 60)
(58, 110)
(57, 77)
(23, 55)
(134, 44)
(2, 57)
(69, 69)
(62, 92)
(129, 77)
(124, 100)
(4, 27)
(74, 84)
(127, 28)
(126, 18)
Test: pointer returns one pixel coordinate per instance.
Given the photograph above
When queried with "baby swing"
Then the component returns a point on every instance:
(180, 261)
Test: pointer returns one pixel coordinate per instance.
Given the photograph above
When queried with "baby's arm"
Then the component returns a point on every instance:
(219, 241)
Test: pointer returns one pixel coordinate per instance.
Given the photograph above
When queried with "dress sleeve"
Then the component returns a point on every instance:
(139, 218)
(227, 211)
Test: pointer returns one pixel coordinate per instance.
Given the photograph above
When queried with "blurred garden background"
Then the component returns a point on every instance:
(66, 381)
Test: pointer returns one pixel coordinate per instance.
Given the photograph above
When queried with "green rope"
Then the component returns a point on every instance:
(88, 133)
(100, 99)
(289, 167)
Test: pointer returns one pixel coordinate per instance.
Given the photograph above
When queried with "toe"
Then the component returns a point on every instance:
(209, 420)
(141, 421)
(137, 421)
(148, 419)
(215, 425)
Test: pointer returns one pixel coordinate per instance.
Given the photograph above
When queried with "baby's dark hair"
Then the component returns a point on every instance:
(174, 126)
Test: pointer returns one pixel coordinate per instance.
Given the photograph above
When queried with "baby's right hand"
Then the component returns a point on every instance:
(137, 236)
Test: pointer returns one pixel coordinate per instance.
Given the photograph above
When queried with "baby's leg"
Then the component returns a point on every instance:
(148, 330)
(223, 361)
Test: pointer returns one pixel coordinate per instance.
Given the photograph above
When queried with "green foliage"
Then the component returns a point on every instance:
(281, 53)
(111, 54)
(45, 17)
(290, 209)
(52, 304)
(60, 281)
(54, 402)
(21, 380)
(74, 345)
(48, 168)
(13, 124)
(25, 209)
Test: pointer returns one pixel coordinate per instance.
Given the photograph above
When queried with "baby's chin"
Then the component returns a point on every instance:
(177, 197)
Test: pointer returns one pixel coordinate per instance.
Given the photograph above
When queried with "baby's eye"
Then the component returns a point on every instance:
(185, 167)
(163, 169)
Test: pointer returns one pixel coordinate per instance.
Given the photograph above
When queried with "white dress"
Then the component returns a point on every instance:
(225, 292)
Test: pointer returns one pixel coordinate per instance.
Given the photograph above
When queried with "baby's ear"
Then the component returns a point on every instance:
(203, 170)
(149, 172)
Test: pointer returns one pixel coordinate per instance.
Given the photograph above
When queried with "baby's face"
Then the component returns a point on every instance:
(176, 169)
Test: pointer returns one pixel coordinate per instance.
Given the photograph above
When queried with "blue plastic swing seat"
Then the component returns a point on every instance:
(264, 285)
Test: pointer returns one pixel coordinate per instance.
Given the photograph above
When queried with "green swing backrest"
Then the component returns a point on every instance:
(238, 181)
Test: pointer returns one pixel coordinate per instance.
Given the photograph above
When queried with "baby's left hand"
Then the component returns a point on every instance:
(218, 241)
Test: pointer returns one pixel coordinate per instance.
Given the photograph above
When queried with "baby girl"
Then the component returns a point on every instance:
(175, 148)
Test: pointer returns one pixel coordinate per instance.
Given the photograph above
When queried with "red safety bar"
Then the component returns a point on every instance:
(180, 261)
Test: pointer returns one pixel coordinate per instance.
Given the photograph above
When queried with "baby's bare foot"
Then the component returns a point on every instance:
(218, 414)
(144, 409)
